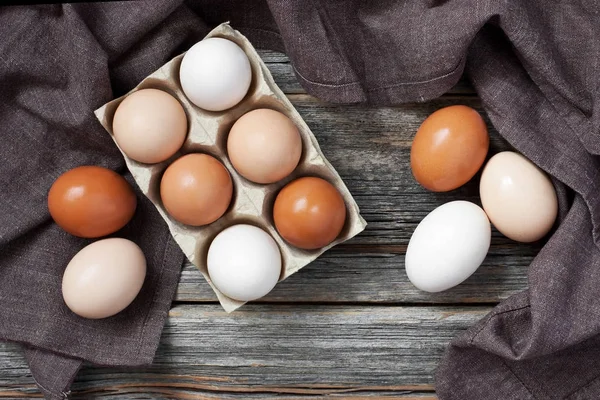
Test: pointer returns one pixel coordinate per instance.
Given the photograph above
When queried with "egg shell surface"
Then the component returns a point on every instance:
(449, 148)
(215, 74)
(103, 278)
(309, 213)
(264, 146)
(91, 201)
(196, 189)
(448, 246)
(518, 197)
(244, 262)
(150, 126)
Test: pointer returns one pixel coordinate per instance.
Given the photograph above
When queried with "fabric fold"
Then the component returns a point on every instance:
(52, 373)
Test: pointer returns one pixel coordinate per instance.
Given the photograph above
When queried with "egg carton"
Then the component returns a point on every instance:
(207, 133)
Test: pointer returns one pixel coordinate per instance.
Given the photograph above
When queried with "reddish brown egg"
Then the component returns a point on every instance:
(309, 213)
(196, 189)
(449, 148)
(91, 201)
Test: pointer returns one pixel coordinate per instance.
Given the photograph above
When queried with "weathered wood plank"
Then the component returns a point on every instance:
(370, 148)
(160, 393)
(150, 391)
(273, 57)
(292, 350)
(283, 73)
(342, 277)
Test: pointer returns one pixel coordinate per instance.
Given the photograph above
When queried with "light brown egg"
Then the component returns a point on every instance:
(196, 189)
(150, 125)
(104, 278)
(264, 146)
(518, 197)
(91, 202)
(309, 213)
(449, 148)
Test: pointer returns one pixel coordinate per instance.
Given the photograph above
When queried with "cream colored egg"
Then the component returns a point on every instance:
(264, 146)
(518, 197)
(104, 278)
(150, 125)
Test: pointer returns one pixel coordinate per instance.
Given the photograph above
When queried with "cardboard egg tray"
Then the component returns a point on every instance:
(207, 133)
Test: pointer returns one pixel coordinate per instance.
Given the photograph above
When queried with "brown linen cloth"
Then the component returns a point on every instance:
(534, 63)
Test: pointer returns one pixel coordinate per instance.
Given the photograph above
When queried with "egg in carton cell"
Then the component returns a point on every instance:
(251, 203)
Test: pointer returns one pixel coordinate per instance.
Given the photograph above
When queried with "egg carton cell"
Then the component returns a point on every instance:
(252, 203)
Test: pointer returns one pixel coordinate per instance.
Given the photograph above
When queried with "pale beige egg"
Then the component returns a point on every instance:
(518, 197)
(104, 278)
(150, 125)
(264, 146)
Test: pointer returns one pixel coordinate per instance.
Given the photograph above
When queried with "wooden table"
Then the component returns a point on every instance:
(350, 325)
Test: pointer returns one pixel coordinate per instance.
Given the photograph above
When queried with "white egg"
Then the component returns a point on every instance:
(215, 74)
(244, 262)
(448, 246)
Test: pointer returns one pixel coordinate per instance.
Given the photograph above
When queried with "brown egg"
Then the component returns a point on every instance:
(196, 189)
(91, 201)
(449, 148)
(309, 213)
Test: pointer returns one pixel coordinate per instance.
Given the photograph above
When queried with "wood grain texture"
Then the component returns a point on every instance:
(341, 276)
(265, 350)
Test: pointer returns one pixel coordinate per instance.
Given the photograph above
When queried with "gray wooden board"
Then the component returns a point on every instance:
(262, 349)
(349, 325)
